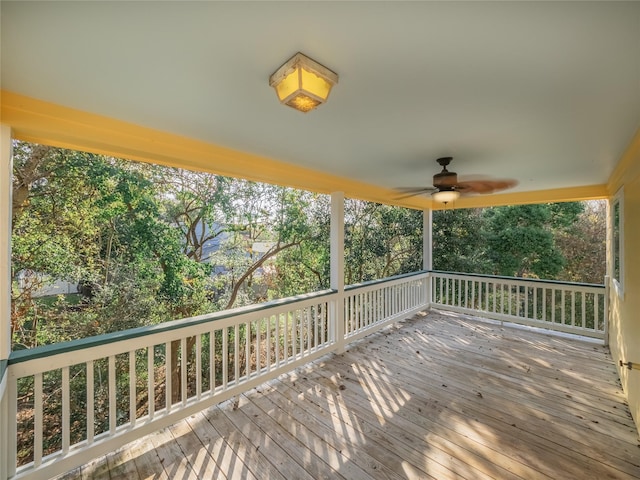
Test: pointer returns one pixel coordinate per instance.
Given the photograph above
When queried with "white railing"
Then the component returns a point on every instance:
(561, 306)
(368, 304)
(68, 403)
(71, 402)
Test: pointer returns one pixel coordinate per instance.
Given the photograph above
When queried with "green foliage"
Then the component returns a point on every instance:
(135, 236)
(96, 221)
(583, 245)
(380, 241)
(542, 240)
(458, 241)
(520, 241)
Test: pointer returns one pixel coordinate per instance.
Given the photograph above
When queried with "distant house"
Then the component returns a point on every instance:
(210, 247)
(48, 287)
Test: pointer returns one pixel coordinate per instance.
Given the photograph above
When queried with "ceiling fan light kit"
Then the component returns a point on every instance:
(445, 196)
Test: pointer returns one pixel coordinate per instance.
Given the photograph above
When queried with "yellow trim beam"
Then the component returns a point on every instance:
(46, 123)
(628, 167)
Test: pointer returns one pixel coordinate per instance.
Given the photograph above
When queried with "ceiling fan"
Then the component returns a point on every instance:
(446, 187)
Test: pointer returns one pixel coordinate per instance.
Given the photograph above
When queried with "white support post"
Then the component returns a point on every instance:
(427, 250)
(6, 170)
(336, 312)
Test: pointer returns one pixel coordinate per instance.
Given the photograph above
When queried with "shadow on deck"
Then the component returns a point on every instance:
(437, 396)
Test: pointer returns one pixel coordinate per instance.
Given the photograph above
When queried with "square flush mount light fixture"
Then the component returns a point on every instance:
(302, 83)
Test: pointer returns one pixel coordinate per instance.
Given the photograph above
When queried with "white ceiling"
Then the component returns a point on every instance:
(547, 93)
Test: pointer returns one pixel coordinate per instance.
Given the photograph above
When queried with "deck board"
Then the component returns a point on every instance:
(438, 396)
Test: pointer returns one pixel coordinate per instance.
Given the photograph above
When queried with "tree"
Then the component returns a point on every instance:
(269, 221)
(521, 238)
(583, 245)
(459, 244)
(380, 241)
(199, 204)
(95, 220)
(53, 229)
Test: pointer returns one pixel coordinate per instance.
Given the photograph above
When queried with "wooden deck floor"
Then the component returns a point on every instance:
(440, 396)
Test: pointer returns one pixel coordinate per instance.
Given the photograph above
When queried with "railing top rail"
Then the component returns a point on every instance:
(20, 356)
(355, 286)
(520, 279)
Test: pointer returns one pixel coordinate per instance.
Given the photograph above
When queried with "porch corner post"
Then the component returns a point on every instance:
(427, 251)
(5, 295)
(337, 270)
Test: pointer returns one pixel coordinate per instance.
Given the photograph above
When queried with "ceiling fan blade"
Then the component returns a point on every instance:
(413, 191)
(485, 186)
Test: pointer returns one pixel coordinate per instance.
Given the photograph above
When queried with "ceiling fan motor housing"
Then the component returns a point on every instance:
(445, 179)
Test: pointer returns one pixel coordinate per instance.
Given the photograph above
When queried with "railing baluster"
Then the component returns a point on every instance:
(236, 353)
(37, 419)
(325, 312)
(151, 400)
(407, 295)
(351, 323)
(365, 310)
(277, 340)
(212, 360)
(112, 395)
(309, 345)
(563, 316)
(183, 370)
(225, 357)
(573, 308)
(596, 311)
(167, 374)
(133, 380)
(66, 416)
(299, 333)
(198, 366)
(447, 287)
(151, 381)
(485, 290)
(258, 344)
(584, 310)
(269, 320)
(12, 441)
(473, 294)
(286, 338)
(348, 314)
(247, 350)
(317, 312)
(494, 289)
(370, 307)
(90, 402)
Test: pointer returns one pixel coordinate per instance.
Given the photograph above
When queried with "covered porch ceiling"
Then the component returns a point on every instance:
(546, 93)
